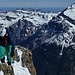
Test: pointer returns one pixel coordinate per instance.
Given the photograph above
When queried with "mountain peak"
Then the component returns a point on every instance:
(72, 6)
(57, 52)
(70, 11)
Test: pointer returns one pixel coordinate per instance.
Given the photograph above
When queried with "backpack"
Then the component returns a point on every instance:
(12, 41)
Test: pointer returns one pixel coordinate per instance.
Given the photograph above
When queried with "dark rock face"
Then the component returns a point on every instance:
(67, 62)
(28, 35)
(22, 30)
(35, 40)
(46, 59)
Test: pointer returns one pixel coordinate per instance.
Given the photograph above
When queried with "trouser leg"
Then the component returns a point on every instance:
(2, 50)
(8, 51)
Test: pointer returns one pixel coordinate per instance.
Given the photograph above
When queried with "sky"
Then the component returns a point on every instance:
(36, 3)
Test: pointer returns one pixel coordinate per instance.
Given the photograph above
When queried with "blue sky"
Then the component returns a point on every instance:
(36, 3)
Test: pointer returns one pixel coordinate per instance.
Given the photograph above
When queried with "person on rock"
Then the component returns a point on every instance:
(7, 44)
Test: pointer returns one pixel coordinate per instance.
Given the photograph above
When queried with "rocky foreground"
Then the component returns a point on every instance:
(26, 63)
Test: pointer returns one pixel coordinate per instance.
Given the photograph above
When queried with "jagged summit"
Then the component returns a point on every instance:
(70, 12)
(71, 7)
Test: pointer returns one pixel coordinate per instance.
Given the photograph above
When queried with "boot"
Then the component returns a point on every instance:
(3, 60)
(9, 63)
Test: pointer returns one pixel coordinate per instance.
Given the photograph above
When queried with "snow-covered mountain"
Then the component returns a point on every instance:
(57, 53)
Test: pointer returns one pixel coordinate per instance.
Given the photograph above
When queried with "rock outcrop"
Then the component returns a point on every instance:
(26, 60)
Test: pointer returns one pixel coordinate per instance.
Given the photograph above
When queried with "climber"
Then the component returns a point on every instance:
(7, 44)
